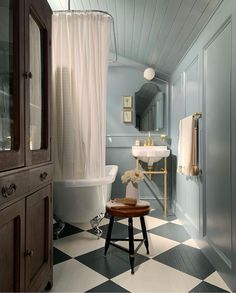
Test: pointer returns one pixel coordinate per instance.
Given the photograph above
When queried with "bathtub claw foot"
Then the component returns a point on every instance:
(95, 223)
(58, 226)
(98, 233)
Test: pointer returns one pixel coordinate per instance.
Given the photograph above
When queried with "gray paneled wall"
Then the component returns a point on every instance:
(178, 111)
(203, 82)
(186, 101)
(192, 88)
(217, 92)
(124, 80)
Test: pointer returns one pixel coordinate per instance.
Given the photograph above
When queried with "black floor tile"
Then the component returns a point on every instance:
(118, 231)
(206, 287)
(171, 231)
(160, 215)
(108, 286)
(59, 256)
(188, 260)
(116, 262)
(67, 231)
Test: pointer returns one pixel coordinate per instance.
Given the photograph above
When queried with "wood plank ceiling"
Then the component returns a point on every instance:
(156, 33)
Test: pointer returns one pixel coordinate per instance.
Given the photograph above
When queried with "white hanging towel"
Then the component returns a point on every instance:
(186, 147)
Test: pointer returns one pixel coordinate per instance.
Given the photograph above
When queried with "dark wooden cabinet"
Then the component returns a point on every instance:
(25, 150)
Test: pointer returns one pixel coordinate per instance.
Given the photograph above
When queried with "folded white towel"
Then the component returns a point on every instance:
(186, 147)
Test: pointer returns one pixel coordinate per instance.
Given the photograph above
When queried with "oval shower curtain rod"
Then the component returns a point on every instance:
(101, 11)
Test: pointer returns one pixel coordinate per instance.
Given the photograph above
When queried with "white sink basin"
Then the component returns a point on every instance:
(150, 154)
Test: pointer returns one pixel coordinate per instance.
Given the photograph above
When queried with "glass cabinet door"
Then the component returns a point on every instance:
(11, 99)
(37, 85)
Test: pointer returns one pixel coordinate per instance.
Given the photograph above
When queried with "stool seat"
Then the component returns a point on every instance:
(117, 209)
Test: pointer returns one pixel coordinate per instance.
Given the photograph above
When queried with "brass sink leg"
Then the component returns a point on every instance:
(150, 168)
(164, 172)
(165, 187)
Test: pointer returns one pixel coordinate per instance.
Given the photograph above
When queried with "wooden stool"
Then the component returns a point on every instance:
(141, 209)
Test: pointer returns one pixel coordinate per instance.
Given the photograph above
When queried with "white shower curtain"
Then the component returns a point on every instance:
(80, 62)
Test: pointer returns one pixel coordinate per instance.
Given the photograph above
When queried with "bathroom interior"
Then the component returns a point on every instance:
(97, 96)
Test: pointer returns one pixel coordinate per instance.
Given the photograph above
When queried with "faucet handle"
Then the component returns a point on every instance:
(137, 142)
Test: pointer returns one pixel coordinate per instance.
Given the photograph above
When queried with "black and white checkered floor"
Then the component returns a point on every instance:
(175, 263)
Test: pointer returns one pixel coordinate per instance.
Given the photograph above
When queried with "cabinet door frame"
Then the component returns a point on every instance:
(40, 11)
(14, 158)
(43, 274)
(16, 213)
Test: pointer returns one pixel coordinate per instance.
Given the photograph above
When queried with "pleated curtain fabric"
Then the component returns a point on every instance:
(80, 46)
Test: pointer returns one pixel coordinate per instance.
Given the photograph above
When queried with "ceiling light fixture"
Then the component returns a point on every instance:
(149, 73)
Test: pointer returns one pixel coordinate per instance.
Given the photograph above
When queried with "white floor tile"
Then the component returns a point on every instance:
(215, 279)
(153, 276)
(157, 245)
(177, 221)
(72, 276)
(192, 243)
(150, 222)
(79, 244)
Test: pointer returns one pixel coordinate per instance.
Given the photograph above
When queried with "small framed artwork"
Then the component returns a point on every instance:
(127, 102)
(127, 116)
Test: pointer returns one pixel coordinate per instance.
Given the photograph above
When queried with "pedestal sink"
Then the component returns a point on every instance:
(150, 154)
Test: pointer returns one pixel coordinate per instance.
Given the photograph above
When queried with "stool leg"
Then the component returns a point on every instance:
(131, 245)
(144, 233)
(108, 239)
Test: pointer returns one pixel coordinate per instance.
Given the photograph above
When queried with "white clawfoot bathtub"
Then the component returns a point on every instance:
(79, 201)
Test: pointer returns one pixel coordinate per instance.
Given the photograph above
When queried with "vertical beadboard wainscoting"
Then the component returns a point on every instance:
(204, 81)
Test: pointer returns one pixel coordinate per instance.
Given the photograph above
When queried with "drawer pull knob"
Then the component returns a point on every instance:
(7, 191)
(43, 176)
(29, 253)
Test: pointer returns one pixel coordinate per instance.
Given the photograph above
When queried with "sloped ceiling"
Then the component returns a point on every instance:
(156, 33)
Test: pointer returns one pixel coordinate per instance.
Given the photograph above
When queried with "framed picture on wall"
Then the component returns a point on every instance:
(127, 102)
(127, 116)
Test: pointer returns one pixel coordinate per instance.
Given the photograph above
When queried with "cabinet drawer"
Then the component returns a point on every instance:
(13, 186)
(40, 176)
